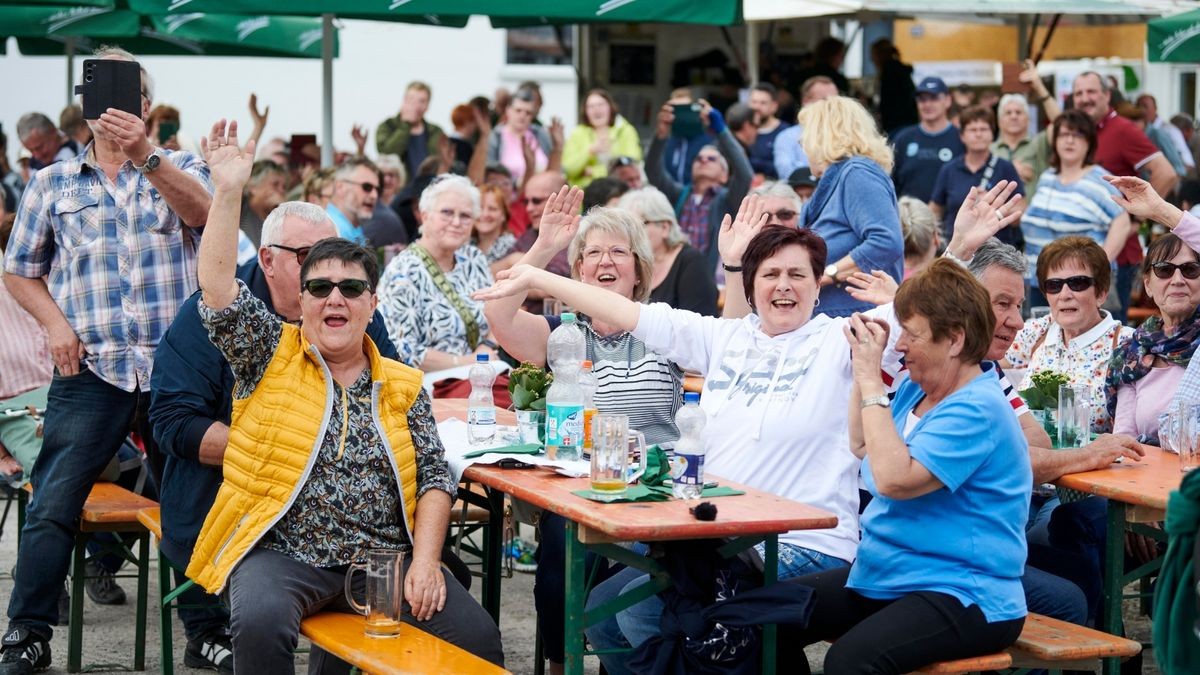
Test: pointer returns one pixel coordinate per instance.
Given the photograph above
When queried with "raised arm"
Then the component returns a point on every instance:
(230, 166)
(981, 216)
(260, 119)
(477, 168)
(732, 240)
(656, 172)
(1141, 199)
(600, 304)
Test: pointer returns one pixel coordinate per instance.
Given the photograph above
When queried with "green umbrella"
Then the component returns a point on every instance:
(352, 9)
(720, 12)
(1173, 38)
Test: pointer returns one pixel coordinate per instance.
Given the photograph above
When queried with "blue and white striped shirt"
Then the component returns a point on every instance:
(117, 260)
(1060, 209)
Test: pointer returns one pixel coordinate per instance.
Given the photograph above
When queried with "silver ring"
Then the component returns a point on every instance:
(999, 215)
(863, 342)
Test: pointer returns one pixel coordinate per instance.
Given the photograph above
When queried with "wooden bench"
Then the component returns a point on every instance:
(1046, 643)
(109, 508)
(1140, 314)
(168, 592)
(413, 652)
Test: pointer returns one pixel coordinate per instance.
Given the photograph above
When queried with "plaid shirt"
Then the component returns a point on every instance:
(117, 260)
(693, 219)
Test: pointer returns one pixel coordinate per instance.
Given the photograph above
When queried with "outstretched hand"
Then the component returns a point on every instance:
(560, 218)
(877, 288)
(228, 164)
(736, 233)
(1140, 199)
(513, 281)
(982, 215)
(359, 133)
(260, 118)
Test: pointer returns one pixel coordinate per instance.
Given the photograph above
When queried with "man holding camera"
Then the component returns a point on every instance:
(102, 254)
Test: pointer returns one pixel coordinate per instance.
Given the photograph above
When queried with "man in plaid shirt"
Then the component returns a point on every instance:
(103, 253)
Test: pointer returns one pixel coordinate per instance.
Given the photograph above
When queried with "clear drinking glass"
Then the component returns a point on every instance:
(385, 591)
(1068, 421)
(1189, 438)
(612, 445)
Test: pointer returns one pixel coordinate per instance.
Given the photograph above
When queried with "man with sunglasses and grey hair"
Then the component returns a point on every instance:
(192, 386)
(356, 186)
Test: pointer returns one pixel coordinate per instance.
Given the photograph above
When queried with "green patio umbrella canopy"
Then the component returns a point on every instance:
(44, 30)
(1175, 38)
(719, 12)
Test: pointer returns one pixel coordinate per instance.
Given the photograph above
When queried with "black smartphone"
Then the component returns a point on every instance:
(687, 120)
(108, 83)
(166, 130)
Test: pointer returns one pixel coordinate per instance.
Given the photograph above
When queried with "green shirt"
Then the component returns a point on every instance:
(1032, 150)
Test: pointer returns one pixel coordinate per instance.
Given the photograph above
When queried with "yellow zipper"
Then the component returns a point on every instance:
(345, 426)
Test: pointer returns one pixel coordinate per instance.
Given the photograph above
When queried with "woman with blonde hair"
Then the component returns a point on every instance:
(854, 208)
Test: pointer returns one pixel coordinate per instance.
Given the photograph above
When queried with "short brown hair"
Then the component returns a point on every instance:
(1078, 121)
(495, 191)
(977, 113)
(1163, 249)
(462, 115)
(162, 113)
(1082, 250)
(419, 86)
(950, 299)
(772, 239)
(602, 93)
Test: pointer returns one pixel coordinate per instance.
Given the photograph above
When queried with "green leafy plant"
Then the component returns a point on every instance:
(528, 384)
(1043, 395)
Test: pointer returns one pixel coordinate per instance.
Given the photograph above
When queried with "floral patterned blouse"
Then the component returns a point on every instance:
(500, 248)
(350, 502)
(419, 317)
(1084, 360)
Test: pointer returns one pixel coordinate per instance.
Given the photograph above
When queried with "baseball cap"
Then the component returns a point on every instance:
(932, 85)
(802, 177)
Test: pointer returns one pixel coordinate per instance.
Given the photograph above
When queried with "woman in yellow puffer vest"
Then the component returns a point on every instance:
(332, 450)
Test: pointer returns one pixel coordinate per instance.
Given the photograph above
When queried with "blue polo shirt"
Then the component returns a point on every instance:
(919, 157)
(954, 183)
(967, 538)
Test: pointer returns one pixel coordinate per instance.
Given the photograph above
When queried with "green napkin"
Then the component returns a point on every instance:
(658, 467)
(521, 449)
(661, 493)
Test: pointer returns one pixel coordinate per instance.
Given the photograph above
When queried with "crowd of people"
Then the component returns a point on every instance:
(851, 284)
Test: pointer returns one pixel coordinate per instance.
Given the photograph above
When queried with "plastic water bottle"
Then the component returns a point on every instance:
(589, 384)
(481, 407)
(565, 352)
(687, 472)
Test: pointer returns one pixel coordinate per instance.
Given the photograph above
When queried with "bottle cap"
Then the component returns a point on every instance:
(568, 317)
(587, 364)
(691, 397)
(481, 358)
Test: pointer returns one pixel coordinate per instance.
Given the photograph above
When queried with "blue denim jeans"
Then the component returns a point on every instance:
(86, 421)
(640, 622)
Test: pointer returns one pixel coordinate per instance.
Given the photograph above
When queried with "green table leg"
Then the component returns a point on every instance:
(1114, 572)
(143, 592)
(576, 597)
(770, 576)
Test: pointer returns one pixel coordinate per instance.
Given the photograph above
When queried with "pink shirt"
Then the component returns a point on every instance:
(24, 350)
(1139, 404)
(513, 157)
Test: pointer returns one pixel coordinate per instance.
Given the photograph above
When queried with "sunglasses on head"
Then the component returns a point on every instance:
(350, 288)
(301, 253)
(1077, 284)
(1166, 270)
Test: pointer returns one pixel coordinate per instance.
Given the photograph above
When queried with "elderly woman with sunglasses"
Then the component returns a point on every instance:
(332, 451)
(854, 208)
(681, 275)
(1078, 338)
(425, 292)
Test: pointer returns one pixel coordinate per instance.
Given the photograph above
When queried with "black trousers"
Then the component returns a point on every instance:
(888, 636)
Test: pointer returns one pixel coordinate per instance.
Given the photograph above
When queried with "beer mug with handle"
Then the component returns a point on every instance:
(385, 591)
(612, 442)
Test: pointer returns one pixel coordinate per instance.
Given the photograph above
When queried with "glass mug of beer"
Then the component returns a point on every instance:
(612, 442)
(385, 591)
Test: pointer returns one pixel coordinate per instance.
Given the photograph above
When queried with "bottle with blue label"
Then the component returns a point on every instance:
(481, 406)
(565, 352)
(687, 468)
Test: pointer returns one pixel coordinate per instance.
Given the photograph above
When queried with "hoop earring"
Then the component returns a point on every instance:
(817, 303)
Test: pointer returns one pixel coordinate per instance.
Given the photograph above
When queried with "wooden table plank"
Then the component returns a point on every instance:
(1146, 483)
(413, 652)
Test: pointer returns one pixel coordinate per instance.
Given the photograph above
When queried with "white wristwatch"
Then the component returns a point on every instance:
(831, 271)
(882, 401)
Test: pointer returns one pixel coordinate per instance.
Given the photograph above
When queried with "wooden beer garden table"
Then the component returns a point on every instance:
(747, 519)
(1137, 496)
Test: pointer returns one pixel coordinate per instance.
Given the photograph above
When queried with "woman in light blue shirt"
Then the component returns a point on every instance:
(938, 572)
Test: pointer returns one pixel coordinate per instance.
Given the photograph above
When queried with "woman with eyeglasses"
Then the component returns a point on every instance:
(425, 292)
(1078, 337)
(602, 134)
(1072, 198)
(333, 451)
(608, 248)
(681, 276)
(1147, 370)
(854, 207)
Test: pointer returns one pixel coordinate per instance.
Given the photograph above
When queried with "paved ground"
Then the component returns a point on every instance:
(108, 635)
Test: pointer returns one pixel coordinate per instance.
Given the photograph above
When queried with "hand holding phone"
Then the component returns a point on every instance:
(109, 83)
(687, 120)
